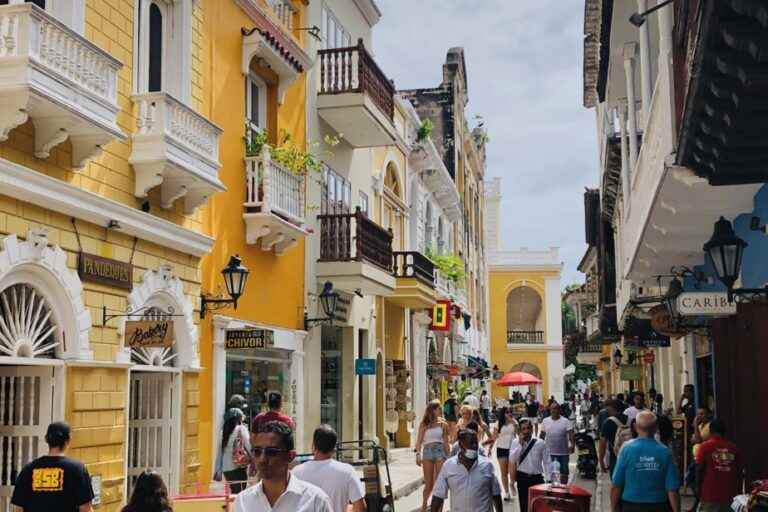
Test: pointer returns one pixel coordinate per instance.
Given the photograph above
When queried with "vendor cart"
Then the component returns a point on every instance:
(368, 455)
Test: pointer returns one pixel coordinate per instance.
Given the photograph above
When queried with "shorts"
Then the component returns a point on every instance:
(713, 506)
(533, 420)
(502, 453)
(645, 507)
(434, 451)
(563, 460)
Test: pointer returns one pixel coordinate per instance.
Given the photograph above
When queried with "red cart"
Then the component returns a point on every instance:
(556, 498)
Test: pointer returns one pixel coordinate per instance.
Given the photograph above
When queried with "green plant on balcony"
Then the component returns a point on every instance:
(287, 154)
(449, 265)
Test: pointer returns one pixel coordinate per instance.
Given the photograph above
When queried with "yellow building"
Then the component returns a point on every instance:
(108, 152)
(525, 314)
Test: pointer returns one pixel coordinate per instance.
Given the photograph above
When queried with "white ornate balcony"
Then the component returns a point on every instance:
(61, 81)
(274, 206)
(175, 148)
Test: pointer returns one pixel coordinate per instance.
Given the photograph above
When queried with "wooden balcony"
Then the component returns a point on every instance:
(415, 274)
(516, 337)
(355, 254)
(274, 205)
(355, 97)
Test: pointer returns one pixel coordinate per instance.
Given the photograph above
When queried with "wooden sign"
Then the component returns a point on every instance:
(148, 333)
(249, 338)
(105, 271)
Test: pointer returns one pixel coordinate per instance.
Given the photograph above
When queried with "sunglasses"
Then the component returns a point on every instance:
(267, 452)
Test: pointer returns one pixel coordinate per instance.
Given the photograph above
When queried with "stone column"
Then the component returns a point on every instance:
(625, 188)
(646, 80)
(630, 50)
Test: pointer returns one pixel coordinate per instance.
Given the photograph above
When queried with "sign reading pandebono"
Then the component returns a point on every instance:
(105, 271)
(249, 338)
(148, 333)
(705, 304)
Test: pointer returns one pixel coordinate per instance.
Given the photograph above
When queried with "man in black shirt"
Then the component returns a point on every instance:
(608, 434)
(53, 482)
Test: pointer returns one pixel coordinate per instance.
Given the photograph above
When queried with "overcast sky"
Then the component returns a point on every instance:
(524, 65)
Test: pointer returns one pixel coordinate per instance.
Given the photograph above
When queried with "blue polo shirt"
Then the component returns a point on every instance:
(645, 471)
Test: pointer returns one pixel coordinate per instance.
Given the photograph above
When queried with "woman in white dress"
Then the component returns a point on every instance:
(502, 436)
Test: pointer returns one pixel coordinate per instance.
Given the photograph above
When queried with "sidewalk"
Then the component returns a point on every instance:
(406, 475)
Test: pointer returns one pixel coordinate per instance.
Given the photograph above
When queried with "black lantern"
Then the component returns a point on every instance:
(617, 357)
(670, 299)
(725, 249)
(328, 301)
(235, 277)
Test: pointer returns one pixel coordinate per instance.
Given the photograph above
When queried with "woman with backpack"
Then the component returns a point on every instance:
(235, 451)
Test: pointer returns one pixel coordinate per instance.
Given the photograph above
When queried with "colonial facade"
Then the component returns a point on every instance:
(526, 328)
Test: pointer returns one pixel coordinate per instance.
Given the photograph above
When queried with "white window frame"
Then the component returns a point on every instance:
(261, 124)
(341, 36)
(177, 47)
(364, 203)
(69, 12)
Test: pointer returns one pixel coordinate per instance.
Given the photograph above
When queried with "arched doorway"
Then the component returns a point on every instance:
(525, 318)
(534, 370)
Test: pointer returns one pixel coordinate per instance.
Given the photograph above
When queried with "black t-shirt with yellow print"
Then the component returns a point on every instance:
(52, 482)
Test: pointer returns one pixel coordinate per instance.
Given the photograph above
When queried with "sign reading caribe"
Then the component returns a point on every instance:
(705, 304)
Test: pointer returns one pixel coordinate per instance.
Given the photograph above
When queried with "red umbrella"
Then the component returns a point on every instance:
(517, 379)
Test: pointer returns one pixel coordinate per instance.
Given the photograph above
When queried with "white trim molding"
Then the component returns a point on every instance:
(34, 187)
(369, 10)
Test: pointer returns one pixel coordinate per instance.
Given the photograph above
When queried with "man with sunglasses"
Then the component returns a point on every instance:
(278, 490)
(470, 478)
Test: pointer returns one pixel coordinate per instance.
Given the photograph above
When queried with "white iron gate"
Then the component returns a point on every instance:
(150, 425)
(26, 404)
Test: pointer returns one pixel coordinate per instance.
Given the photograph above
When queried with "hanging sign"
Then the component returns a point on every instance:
(249, 338)
(638, 333)
(343, 305)
(105, 271)
(705, 304)
(632, 372)
(148, 333)
(441, 317)
(365, 366)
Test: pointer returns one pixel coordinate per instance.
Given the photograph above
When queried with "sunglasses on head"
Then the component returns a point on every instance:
(269, 451)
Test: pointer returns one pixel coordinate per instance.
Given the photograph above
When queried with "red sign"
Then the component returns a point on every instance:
(649, 357)
(441, 317)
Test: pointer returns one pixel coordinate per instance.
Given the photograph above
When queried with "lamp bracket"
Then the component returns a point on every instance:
(213, 303)
(309, 322)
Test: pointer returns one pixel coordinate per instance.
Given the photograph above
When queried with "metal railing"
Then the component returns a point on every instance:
(274, 189)
(354, 237)
(525, 337)
(284, 11)
(414, 264)
(352, 69)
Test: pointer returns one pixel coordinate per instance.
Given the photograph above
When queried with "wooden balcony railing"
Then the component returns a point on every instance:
(352, 69)
(415, 264)
(525, 337)
(354, 237)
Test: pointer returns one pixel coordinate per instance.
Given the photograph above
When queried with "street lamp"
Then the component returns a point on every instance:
(235, 277)
(725, 250)
(638, 18)
(329, 302)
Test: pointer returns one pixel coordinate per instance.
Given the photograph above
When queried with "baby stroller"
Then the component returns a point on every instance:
(586, 463)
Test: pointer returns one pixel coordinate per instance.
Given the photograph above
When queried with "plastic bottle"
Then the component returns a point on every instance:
(555, 472)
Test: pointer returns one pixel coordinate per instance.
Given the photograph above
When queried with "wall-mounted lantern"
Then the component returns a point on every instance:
(235, 277)
(329, 300)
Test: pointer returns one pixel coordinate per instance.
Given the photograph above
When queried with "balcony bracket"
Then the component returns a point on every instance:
(85, 148)
(49, 133)
(13, 113)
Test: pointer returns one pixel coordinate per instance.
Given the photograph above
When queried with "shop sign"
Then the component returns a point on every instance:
(632, 372)
(639, 333)
(705, 304)
(148, 333)
(249, 338)
(441, 317)
(343, 305)
(105, 271)
(365, 366)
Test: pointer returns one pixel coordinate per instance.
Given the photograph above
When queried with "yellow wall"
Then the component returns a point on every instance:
(274, 293)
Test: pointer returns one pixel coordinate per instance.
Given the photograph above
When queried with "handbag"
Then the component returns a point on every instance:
(240, 456)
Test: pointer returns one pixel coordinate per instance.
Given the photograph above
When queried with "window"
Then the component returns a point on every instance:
(333, 32)
(256, 102)
(364, 203)
(336, 193)
(440, 236)
(155, 49)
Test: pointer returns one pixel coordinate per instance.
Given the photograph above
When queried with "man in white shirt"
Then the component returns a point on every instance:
(470, 478)
(471, 400)
(340, 481)
(639, 405)
(528, 461)
(485, 407)
(279, 490)
(557, 432)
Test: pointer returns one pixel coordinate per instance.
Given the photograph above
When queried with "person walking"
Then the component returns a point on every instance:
(234, 452)
(451, 412)
(557, 432)
(638, 405)
(645, 478)
(149, 494)
(54, 481)
(718, 470)
(471, 400)
(469, 478)
(432, 447)
(338, 480)
(485, 406)
(503, 435)
(614, 421)
(275, 413)
(528, 461)
(532, 411)
(279, 490)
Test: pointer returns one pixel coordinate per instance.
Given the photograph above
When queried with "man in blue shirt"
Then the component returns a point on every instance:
(645, 478)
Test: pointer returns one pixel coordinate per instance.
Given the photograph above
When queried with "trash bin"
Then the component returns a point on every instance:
(551, 498)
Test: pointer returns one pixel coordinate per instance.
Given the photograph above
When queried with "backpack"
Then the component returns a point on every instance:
(240, 457)
(623, 434)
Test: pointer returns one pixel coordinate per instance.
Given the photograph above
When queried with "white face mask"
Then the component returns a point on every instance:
(470, 454)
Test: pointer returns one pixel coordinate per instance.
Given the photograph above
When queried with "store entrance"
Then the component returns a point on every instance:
(331, 397)
(256, 375)
(26, 409)
(150, 425)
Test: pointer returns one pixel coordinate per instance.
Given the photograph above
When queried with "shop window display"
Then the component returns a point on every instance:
(254, 376)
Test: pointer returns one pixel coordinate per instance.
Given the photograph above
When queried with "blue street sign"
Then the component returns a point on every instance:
(365, 367)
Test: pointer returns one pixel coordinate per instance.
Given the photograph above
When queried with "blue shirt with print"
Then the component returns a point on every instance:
(646, 472)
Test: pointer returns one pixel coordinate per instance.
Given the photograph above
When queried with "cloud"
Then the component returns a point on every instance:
(524, 67)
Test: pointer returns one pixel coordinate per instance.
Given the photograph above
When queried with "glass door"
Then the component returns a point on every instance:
(331, 378)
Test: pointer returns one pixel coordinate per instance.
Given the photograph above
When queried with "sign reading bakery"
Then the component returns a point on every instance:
(705, 304)
(148, 333)
(105, 271)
